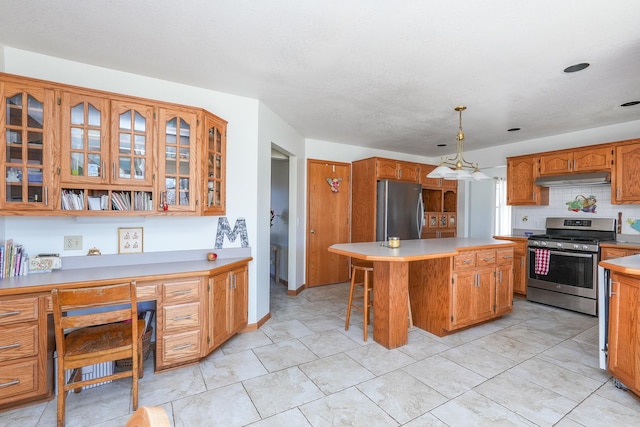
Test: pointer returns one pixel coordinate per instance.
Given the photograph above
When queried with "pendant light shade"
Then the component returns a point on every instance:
(457, 168)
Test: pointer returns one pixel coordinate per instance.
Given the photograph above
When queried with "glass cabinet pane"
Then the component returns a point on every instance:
(177, 169)
(132, 147)
(85, 135)
(23, 147)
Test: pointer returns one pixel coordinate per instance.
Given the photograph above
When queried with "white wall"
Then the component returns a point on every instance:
(274, 131)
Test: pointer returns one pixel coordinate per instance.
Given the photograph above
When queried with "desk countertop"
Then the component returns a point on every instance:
(415, 250)
(44, 282)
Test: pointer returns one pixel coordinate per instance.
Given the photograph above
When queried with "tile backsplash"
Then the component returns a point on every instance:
(533, 217)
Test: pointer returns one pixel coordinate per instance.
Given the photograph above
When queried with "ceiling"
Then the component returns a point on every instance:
(378, 73)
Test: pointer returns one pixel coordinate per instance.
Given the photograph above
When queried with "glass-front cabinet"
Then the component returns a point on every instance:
(177, 132)
(215, 130)
(84, 135)
(26, 139)
(132, 143)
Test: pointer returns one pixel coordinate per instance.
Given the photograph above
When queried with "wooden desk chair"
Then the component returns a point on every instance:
(149, 416)
(101, 332)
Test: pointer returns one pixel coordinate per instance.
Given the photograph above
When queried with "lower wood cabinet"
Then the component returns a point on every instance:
(623, 351)
(26, 351)
(449, 294)
(227, 305)
(180, 319)
(519, 264)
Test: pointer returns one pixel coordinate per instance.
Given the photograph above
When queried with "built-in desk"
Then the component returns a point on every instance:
(199, 305)
(453, 283)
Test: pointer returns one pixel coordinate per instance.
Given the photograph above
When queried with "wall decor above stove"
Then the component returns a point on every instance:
(583, 204)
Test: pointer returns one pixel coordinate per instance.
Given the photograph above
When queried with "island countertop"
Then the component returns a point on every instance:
(416, 250)
(625, 265)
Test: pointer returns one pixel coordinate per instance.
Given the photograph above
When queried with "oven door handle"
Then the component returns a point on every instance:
(576, 254)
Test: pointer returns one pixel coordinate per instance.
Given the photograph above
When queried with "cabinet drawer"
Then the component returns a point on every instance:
(504, 256)
(18, 310)
(146, 292)
(176, 292)
(18, 341)
(464, 260)
(181, 316)
(181, 347)
(486, 258)
(18, 378)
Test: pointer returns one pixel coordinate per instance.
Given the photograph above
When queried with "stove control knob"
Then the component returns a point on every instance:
(559, 245)
(585, 247)
(576, 246)
(543, 243)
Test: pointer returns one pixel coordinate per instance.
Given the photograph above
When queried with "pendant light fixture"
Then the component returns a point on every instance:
(457, 168)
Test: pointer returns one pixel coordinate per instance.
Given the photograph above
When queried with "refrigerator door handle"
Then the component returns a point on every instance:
(420, 219)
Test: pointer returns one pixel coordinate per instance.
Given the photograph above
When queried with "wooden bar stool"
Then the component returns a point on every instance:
(365, 291)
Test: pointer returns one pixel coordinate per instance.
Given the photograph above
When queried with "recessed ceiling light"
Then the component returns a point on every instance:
(577, 67)
(513, 130)
(630, 103)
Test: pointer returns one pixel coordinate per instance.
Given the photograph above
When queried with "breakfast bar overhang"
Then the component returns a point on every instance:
(422, 269)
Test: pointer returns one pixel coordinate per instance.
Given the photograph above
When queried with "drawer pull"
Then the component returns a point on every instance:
(10, 383)
(6, 347)
(185, 292)
(182, 347)
(487, 259)
(466, 261)
(507, 257)
(183, 317)
(9, 313)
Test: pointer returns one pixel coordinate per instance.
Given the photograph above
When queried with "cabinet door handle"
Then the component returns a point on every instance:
(611, 293)
(9, 313)
(10, 383)
(183, 317)
(569, 164)
(46, 196)
(103, 168)
(182, 347)
(500, 277)
(6, 347)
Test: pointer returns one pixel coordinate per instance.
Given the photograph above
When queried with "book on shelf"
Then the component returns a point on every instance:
(72, 201)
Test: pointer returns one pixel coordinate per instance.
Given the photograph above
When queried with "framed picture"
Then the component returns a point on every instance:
(130, 240)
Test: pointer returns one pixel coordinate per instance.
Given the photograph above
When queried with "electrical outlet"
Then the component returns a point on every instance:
(72, 243)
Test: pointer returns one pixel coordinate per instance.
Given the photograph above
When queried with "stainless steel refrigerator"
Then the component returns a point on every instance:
(400, 210)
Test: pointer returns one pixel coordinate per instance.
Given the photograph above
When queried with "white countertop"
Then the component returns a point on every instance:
(414, 250)
(628, 264)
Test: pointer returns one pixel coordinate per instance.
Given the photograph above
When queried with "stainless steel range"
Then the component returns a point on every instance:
(563, 263)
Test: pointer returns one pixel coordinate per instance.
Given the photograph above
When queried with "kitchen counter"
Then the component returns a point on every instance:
(622, 245)
(414, 250)
(413, 264)
(626, 265)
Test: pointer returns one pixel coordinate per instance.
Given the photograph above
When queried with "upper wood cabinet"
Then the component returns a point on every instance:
(213, 169)
(397, 170)
(435, 182)
(84, 136)
(177, 149)
(521, 174)
(98, 153)
(584, 160)
(625, 179)
(27, 129)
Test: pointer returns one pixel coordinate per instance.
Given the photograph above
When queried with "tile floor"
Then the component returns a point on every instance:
(535, 367)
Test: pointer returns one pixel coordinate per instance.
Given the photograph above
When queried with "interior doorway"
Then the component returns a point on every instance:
(279, 230)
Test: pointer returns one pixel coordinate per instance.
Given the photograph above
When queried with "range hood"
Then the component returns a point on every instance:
(592, 178)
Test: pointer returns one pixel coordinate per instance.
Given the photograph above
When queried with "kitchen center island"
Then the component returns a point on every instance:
(452, 283)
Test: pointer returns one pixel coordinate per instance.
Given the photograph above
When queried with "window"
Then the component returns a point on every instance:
(502, 211)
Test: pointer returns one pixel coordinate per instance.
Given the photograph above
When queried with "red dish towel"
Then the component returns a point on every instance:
(542, 261)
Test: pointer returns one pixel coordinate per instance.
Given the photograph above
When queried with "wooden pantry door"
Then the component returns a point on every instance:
(328, 196)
